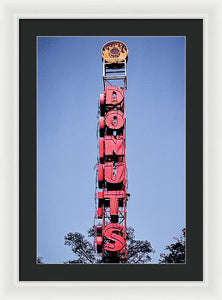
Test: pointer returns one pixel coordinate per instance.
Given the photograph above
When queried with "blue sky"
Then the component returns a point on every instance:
(69, 81)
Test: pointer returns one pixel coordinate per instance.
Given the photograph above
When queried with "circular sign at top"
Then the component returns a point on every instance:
(114, 52)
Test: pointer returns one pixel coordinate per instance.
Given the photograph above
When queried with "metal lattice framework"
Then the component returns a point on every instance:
(111, 184)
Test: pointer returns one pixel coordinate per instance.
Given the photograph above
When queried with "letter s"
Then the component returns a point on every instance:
(118, 240)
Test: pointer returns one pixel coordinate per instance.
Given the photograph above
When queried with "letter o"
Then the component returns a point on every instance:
(114, 119)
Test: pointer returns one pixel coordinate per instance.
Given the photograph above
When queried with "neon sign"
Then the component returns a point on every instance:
(112, 194)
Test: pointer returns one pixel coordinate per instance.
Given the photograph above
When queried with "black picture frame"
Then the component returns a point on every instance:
(29, 29)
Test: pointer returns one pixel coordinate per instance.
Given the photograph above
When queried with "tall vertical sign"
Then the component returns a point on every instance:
(111, 193)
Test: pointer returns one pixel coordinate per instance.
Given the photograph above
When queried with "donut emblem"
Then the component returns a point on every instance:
(114, 52)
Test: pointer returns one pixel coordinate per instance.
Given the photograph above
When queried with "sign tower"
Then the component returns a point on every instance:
(111, 189)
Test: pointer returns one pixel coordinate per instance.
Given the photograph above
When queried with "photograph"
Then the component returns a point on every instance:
(111, 149)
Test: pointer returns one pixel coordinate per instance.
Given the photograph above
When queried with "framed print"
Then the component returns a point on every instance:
(37, 286)
(150, 74)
